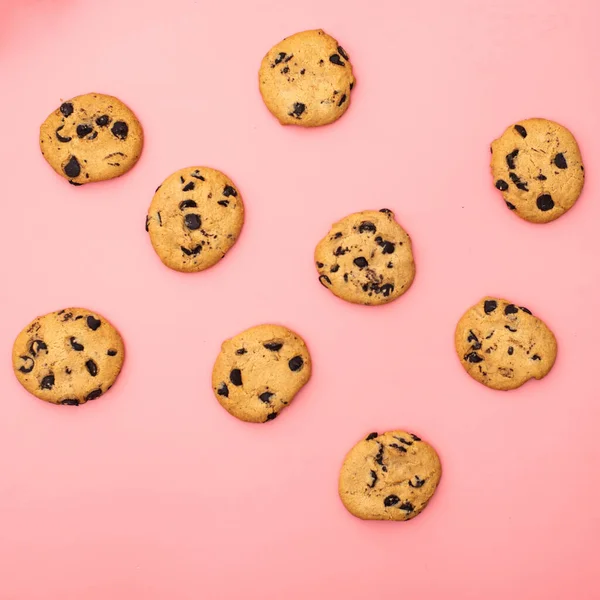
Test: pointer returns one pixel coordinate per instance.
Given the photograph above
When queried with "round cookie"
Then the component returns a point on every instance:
(503, 345)
(68, 357)
(366, 258)
(537, 166)
(389, 477)
(195, 217)
(259, 371)
(306, 79)
(90, 138)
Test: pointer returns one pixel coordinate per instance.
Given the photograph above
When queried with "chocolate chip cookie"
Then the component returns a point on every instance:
(306, 79)
(502, 345)
(91, 138)
(259, 371)
(195, 217)
(391, 476)
(68, 357)
(537, 166)
(366, 258)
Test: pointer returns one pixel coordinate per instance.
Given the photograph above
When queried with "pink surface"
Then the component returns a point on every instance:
(154, 491)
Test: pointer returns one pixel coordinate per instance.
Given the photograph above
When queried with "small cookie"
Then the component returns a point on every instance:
(537, 166)
(306, 79)
(502, 345)
(389, 477)
(259, 371)
(68, 357)
(195, 217)
(91, 138)
(366, 258)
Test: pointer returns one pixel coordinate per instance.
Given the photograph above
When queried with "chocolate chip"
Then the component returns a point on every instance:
(372, 436)
(66, 109)
(398, 447)
(223, 202)
(273, 346)
(241, 351)
(545, 202)
(271, 416)
(473, 357)
(510, 158)
(387, 211)
(68, 371)
(391, 500)
(223, 390)
(342, 99)
(525, 310)
(76, 345)
(189, 187)
(373, 479)
(47, 382)
(92, 367)
(103, 121)
(320, 265)
(37, 346)
(83, 130)
(196, 175)
(72, 168)
(303, 71)
(191, 252)
(266, 397)
(414, 437)
(510, 309)
(70, 402)
(289, 58)
(235, 377)
(517, 181)
(192, 221)
(388, 247)
(111, 352)
(510, 205)
(418, 482)
(60, 138)
(361, 262)
(536, 357)
(336, 60)
(560, 161)
(278, 59)
(385, 289)
(407, 506)
(390, 265)
(502, 185)
(542, 177)
(379, 457)
(334, 269)
(296, 363)
(521, 130)
(367, 226)
(27, 368)
(285, 70)
(489, 306)
(510, 350)
(324, 280)
(229, 191)
(187, 204)
(94, 394)
(401, 439)
(343, 53)
(339, 251)
(297, 110)
(510, 328)
(93, 323)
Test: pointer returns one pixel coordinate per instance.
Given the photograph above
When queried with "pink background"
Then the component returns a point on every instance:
(154, 491)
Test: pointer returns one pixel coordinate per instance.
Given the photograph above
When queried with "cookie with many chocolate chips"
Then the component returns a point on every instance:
(537, 166)
(68, 357)
(306, 79)
(195, 217)
(391, 476)
(259, 371)
(91, 138)
(366, 258)
(503, 345)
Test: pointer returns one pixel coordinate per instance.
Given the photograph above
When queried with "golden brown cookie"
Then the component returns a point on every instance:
(306, 79)
(503, 345)
(195, 217)
(366, 258)
(68, 357)
(91, 138)
(391, 476)
(537, 166)
(259, 371)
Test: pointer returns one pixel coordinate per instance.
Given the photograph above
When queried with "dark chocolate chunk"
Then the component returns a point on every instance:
(235, 377)
(510, 205)
(60, 138)
(191, 252)
(361, 262)
(324, 280)
(196, 175)
(398, 447)
(414, 437)
(510, 309)
(28, 366)
(47, 382)
(189, 187)
(489, 306)
(297, 110)
(545, 202)
(229, 191)
(266, 397)
(93, 323)
(72, 168)
(285, 70)
(334, 268)
(241, 351)
(385, 289)
(66, 108)
(320, 265)
(510, 350)
(192, 221)
(367, 226)
(271, 416)
(94, 394)
(542, 177)
(278, 59)
(120, 129)
(373, 479)
(273, 346)
(336, 60)
(560, 161)
(303, 71)
(517, 181)
(92, 367)
(502, 185)
(510, 158)
(407, 506)
(103, 121)
(379, 457)
(70, 402)
(372, 436)
(187, 204)
(510, 328)
(388, 247)
(418, 482)
(525, 310)
(76, 345)
(391, 500)
(342, 99)
(296, 363)
(536, 357)
(339, 251)
(37, 346)
(473, 338)
(223, 390)
(83, 130)
(68, 371)
(342, 53)
(473, 357)
(223, 202)
(111, 352)
(521, 130)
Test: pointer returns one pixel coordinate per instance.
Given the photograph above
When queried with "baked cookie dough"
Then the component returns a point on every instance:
(537, 166)
(259, 371)
(391, 476)
(366, 258)
(90, 138)
(306, 79)
(68, 357)
(503, 345)
(195, 217)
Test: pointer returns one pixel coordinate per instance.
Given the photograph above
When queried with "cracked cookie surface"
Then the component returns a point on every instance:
(366, 258)
(537, 166)
(259, 371)
(68, 357)
(306, 79)
(502, 345)
(90, 138)
(391, 476)
(195, 217)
